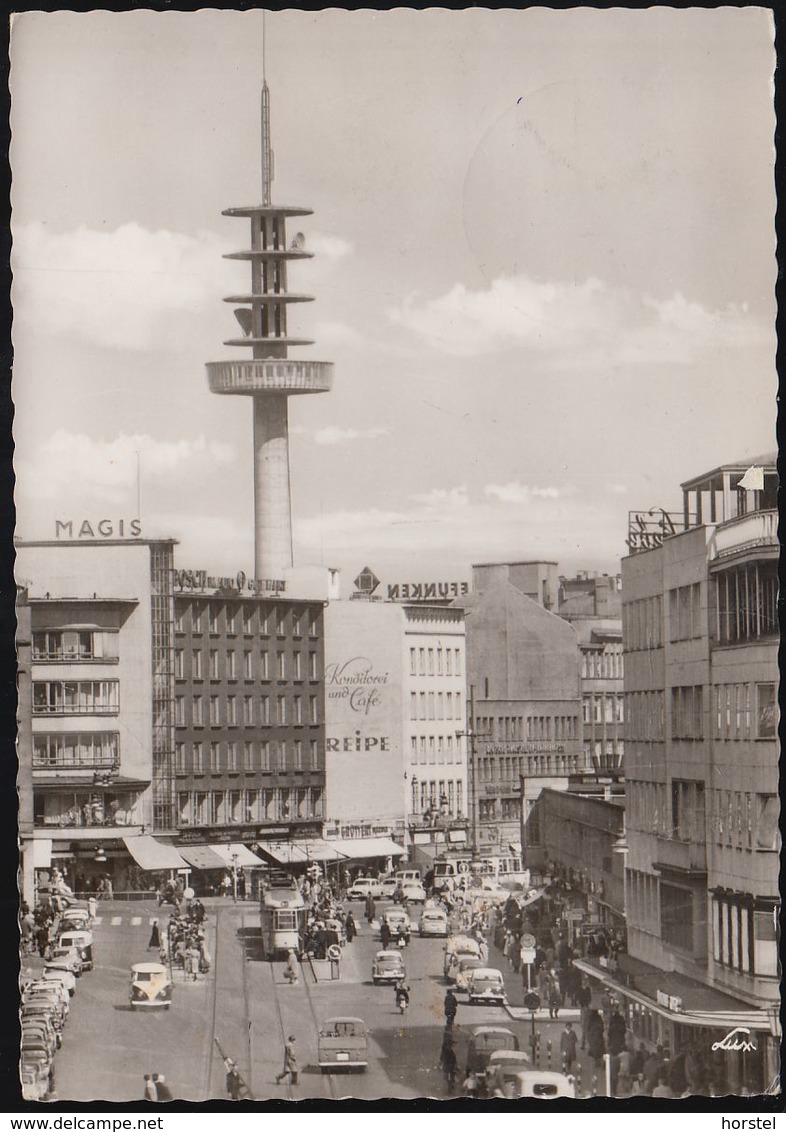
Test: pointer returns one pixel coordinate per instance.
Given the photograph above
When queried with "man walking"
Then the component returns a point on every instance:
(567, 1046)
(290, 1069)
(451, 1006)
(584, 1001)
(163, 1092)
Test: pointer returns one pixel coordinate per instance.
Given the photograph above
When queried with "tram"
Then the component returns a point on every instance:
(282, 918)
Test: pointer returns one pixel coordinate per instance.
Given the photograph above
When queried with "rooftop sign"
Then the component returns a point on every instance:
(199, 581)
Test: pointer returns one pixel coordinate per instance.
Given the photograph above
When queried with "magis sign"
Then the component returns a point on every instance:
(104, 528)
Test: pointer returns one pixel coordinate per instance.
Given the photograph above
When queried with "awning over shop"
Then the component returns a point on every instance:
(150, 854)
(42, 853)
(235, 853)
(201, 857)
(362, 847)
(283, 852)
(319, 850)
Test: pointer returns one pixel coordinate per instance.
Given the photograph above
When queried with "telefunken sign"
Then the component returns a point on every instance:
(426, 591)
(199, 581)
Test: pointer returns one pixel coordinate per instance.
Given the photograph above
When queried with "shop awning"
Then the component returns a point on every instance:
(234, 852)
(150, 854)
(319, 850)
(42, 853)
(283, 852)
(201, 857)
(362, 847)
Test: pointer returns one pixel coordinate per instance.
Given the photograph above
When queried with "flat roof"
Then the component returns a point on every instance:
(96, 542)
(769, 462)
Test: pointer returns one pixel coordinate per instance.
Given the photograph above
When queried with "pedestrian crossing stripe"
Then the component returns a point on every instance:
(98, 919)
(136, 921)
(116, 920)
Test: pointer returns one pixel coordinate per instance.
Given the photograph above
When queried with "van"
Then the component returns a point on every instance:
(81, 942)
(408, 876)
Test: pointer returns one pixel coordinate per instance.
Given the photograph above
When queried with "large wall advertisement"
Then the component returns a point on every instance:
(364, 711)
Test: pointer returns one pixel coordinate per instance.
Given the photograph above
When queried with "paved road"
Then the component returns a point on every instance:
(246, 1004)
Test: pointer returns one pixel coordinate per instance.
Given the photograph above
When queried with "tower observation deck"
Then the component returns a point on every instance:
(269, 376)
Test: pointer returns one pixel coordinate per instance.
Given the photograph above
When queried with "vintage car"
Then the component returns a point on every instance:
(55, 972)
(408, 876)
(388, 886)
(541, 1084)
(399, 923)
(483, 1042)
(485, 984)
(35, 1071)
(502, 1065)
(414, 893)
(388, 967)
(434, 922)
(467, 965)
(151, 987)
(67, 958)
(342, 1044)
(458, 947)
(81, 942)
(363, 887)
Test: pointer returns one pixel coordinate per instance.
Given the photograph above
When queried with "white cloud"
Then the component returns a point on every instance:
(576, 324)
(327, 246)
(444, 497)
(332, 434)
(114, 288)
(79, 465)
(515, 492)
(331, 333)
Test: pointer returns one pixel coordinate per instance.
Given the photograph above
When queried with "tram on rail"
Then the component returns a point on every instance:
(282, 918)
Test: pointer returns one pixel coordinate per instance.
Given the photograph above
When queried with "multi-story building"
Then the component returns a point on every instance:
(701, 753)
(249, 758)
(525, 698)
(396, 762)
(100, 699)
(593, 606)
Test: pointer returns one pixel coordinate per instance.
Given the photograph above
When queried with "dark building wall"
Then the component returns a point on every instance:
(249, 711)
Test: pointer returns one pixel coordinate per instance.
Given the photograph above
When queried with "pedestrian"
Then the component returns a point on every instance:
(163, 1092)
(154, 943)
(567, 1045)
(471, 1085)
(384, 935)
(553, 998)
(662, 1090)
(291, 971)
(584, 1001)
(91, 907)
(651, 1071)
(233, 1082)
(371, 909)
(150, 1093)
(616, 1032)
(350, 927)
(290, 1062)
(596, 1042)
(447, 1059)
(451, 1006)
(192, 958)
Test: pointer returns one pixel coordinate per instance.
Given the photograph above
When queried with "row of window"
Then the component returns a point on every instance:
(602, 665)
(741, 820)
(499, 809)
(744, 937)
(83, 808)
(603, 709)
(224, 711)
(436, 705)
(687, 712)
(646, 716)
(747, 602)
(250, 756)
(434, 749)
(76, 697)
(251, 620)
(72, 749)
(253, 665)
(685, 614)
(435, 662)
(733, 711)
(226, 807)
(642, 623)
(444, 797)
(75, 644)
(531, 728)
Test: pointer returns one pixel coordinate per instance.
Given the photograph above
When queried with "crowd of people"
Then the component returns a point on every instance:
(183, 943)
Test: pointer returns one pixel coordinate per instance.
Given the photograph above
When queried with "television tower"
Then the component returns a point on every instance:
(269, 377)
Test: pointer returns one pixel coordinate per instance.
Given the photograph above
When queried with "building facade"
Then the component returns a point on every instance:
(525, 698)
(701, 640)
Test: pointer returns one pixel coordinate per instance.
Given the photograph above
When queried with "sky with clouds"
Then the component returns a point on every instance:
(544, 270)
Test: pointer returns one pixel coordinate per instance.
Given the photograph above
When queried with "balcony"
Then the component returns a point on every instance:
(759, 529)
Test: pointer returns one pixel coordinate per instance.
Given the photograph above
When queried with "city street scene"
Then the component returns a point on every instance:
(420, 738)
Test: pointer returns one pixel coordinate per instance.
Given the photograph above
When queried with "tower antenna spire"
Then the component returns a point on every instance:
(267, 151)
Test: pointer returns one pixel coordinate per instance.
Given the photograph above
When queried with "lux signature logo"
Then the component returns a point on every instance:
(732, 1042)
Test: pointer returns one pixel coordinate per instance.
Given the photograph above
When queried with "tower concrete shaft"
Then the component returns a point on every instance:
(270, 377)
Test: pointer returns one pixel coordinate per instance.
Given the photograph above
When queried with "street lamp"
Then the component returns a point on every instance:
(234, 877)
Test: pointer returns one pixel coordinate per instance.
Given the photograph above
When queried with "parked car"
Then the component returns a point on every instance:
(458, 947)
(54, 973)
(82, 942)
(467, 966)
(35, 1072)
(363, 887)
(67, 957)
(433, 922)
(388, 886)
(485, 984)
(542, 1084)
(408, 876)
(388, 967)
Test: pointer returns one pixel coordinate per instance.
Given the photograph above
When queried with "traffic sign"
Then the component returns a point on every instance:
(527, 955)
(527, 941)
(532, 1001)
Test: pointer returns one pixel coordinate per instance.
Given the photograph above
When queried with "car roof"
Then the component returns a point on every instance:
(388, 955)
(487, 972)
(479, 1031)
(342, 1018)
(148, 968)
(509, 1055)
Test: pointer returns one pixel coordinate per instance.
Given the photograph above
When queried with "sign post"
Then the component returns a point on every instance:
(532, 1003)
(527, 956)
